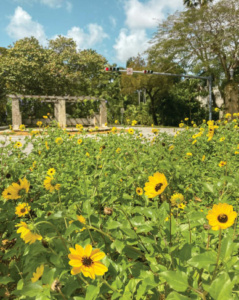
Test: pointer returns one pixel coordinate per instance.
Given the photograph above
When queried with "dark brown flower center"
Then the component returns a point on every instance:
(23, 210)
(222, 218)
(87, 261)
(158, 186)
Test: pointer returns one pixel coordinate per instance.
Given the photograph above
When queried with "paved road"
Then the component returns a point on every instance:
(146, 131)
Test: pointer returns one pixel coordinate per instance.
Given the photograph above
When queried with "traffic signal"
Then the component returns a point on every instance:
(112, 69)
(148, 72)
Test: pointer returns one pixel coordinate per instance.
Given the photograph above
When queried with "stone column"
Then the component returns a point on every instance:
(60, 112)
(16, 114)
(103, 113)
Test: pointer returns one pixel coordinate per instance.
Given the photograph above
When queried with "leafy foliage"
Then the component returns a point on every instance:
(153, 249)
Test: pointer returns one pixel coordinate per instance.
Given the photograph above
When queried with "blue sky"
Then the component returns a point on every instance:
(117, 29)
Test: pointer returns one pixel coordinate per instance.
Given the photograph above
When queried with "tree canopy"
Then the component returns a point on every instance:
(202, 40)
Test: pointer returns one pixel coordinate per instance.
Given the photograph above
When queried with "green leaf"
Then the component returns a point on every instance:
(208, 187)
(221, 287)
(71, 228)
(111, 224)
(6, 280)
(32, 289)
(92, 292)
(203, 260)
(176, 296)
(144, 228)
(227, 247)
(130, 233)
(118, 245)
(20, 284)
(176, 279)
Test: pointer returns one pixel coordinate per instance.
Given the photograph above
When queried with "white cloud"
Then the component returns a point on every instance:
(68, 6)
(141, 16)
(52, 3)
(21, 25)
(88, 39)
(130, 44)
(112, 21)
(147, 15)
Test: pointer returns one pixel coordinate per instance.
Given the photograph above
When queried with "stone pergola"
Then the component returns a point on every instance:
(59, 109)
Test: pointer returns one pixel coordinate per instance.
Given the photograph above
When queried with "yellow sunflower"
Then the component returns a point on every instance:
(181, 206)
(114, 129)
(51, 172)
(221, 216)
(22, 209)
(22, 127)
(139, 191)
(50, 184)
(59, 140)
(18, 145)
(131, 131)
(176, 199)
(155, 131)
(79, 141)
(171, 148)
(81, 219)
(14, 191)
(210, 130)
(8, 193)
(26, 234)
(118, 150)
(45, 117)
(39, 123)
(222, 163)
(86, 261)
(46, 144)
(156, 185)
(38, 274)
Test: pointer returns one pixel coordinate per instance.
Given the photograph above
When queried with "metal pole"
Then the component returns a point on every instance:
(139, 96)
(210, 96)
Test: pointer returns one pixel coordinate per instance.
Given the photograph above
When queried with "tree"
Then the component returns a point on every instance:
(196, 3)
(156, 87)
(29, 68)
(205, 40)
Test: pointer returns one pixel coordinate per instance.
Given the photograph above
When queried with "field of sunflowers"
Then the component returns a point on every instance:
(119, 216)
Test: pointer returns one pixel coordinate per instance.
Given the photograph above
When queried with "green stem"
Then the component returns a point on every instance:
(19, 272)
(85, 282)
(170, 224)
(112, 239)
(218, 254)
(109, 286)
(59, 197)
(62, 295)
(190, 232)
(139, 238)
(58, 233)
